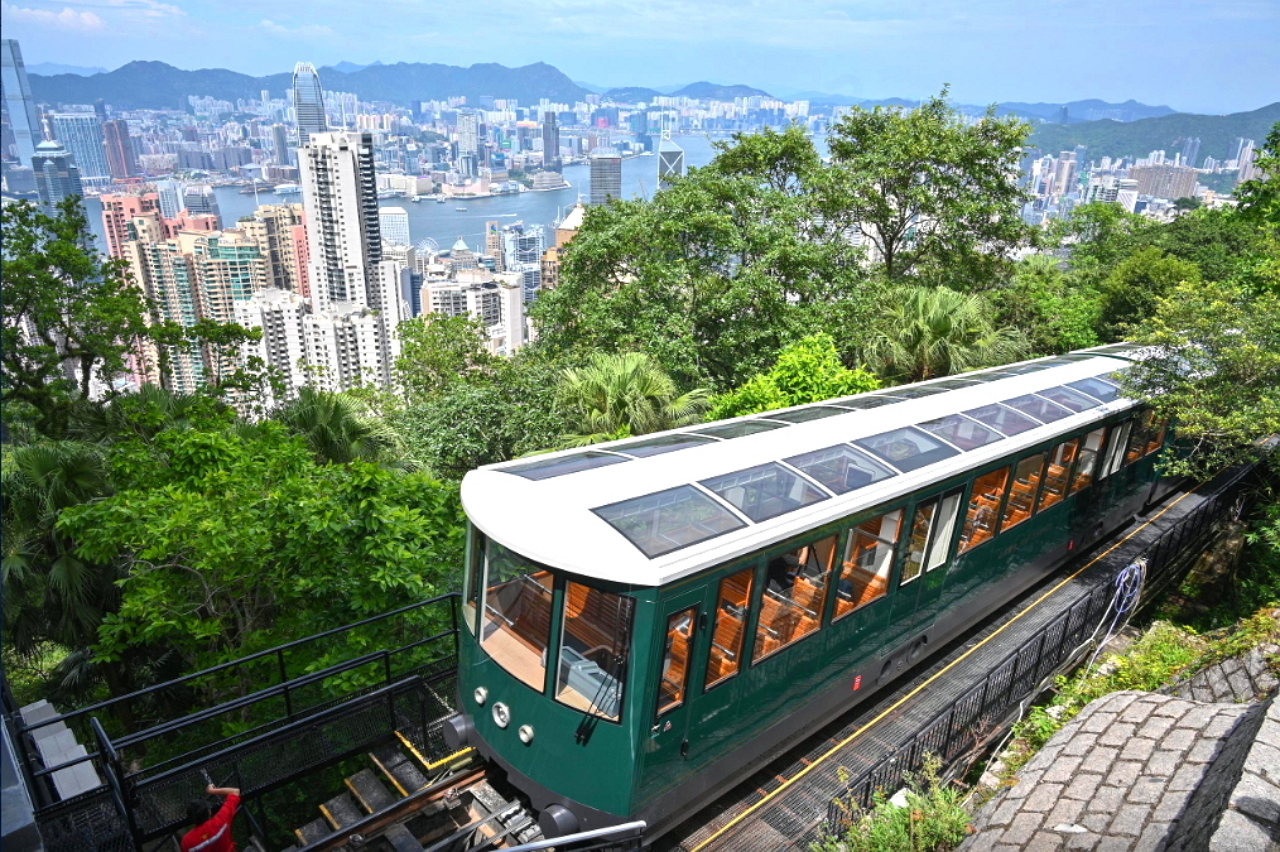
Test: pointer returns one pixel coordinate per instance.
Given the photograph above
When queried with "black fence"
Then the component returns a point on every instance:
(281, 723)
(978, 713)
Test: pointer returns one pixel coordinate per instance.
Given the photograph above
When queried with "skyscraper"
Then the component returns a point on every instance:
(15, 90)
(394, 224)
(1190, 151)
(81, 134)
(170, 192)
(280, 141)
(606, 175)
(57, 176)
(550, 142)
(198, 199)
(670, 162)
(308, 101)
(468, 142)
(122, 163)
(118, 210)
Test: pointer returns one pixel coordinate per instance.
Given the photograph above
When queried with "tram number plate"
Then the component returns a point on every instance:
(857, 683)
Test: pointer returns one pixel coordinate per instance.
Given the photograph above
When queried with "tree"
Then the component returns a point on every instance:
(338, 429)
(931, 193)
(1129, 294)
(1039, 300)
(437, 350)
(1260, 197)
(930, 332)
(616, 396)
(806, 371)
(70, 318)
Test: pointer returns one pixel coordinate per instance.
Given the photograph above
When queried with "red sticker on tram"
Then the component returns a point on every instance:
(857, 683)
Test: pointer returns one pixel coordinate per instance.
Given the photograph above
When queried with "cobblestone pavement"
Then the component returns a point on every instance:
(1134, 771)
(1252, 818)
(1241, 678)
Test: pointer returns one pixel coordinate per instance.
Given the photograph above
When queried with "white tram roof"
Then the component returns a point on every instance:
(650, 510)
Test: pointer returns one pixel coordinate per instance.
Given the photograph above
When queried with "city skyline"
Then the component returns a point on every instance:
(1225, 52)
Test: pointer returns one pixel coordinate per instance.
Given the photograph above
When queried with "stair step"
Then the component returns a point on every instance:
(401, 839)
(488, 798)
(341, 810)
(399, 770)
(369, 791)
(315, 830)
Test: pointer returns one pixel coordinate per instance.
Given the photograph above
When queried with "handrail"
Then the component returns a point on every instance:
(279, 649)
(626, 828)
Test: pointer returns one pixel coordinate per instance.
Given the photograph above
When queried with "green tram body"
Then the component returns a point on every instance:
(582, 772)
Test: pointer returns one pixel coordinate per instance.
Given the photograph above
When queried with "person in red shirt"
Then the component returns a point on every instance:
(212, 831)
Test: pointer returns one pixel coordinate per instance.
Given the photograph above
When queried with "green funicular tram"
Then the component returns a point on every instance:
(648, 619)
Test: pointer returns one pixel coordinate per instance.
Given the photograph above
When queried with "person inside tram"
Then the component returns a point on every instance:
(782, 573)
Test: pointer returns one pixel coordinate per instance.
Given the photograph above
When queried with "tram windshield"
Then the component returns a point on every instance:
(594, 642)
(515, 616)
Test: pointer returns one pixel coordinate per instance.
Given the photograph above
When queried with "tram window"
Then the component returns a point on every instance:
(561, 465)
(1022, 491)
(961, 431)
(1097, 388)
(1137, 438)
(674, 680)
(1068, 398)
(920, 524)
(1057, 473)
(907, 449)
(841, 468)
(516, 625)
(863, 402)
(765, 491)
(669, 520)
(1003, 419)
(595, 643)
(731, 617)
(474, 580)
(1038, 407)
(1155, 438)
(943, 528)
(1115, 450)
(657, 446)
(984, 509)
(1088, 459)
(740, 429)
(868, 559)
(795, 590)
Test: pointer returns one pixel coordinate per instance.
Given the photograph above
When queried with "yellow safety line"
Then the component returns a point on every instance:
(818, 762)
(387, 774)
(333, 822)
(428, 764)
(356, 793)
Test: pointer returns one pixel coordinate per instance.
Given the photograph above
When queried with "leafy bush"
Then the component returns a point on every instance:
(933, 820)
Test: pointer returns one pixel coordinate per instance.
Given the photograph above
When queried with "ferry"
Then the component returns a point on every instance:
(461, 209)
(288, 189)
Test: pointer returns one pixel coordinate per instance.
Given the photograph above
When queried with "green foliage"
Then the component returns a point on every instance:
(933, 820)
(1130, 293)
(436, 351)
(1260, 197)
(339, 428)
(928, 190)
(617, 396)
(806, 371)
(927, 332)
(230, 541)
(1041, 301)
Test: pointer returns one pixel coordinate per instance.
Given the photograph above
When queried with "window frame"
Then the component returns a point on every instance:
(850, 533)
(659, 710)
(562, 583)
(810, 539)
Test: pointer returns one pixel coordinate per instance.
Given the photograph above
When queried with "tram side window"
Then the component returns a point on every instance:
(931, 531)
(984, 509)
(1088, 459)
(1146, 438)
(474, 581)
(1022, 491)
(794, 592)
(731, 617)
(594, 648)
(868, 559)
(516, 623)
(1155, 437)
(672, 685)
(1115, 449)
(1057, 473)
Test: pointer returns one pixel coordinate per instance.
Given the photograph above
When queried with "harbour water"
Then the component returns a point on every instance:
(445, 224)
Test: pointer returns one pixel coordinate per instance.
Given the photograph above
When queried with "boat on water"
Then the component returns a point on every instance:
(288, 189)
(440, 200)
(460, 209)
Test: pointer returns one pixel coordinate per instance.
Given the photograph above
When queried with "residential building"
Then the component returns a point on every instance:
(497, 301)
(279, 232)
(199, 199)
(1162, 181)
(280, 315)
(118, 210)
(81, 134)
(170, 192)
(280, 142)
(493, 245)
(19, 105)
(122, 161)
(606, 175)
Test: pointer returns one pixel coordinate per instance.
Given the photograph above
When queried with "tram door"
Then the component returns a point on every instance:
(668, 750)
(930, 537)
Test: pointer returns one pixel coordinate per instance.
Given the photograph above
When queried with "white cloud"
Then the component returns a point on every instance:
(304, 31)
(67, 19)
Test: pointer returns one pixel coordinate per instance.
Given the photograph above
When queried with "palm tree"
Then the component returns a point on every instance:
(338, 429)
(927, 332)
(615, 396)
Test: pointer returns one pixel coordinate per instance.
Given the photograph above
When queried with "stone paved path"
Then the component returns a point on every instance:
(1134, 771)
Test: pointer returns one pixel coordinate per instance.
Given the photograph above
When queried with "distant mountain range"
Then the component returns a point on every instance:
(50, 68)
(1107, 138)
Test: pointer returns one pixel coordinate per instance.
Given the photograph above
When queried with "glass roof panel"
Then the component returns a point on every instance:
(1003, 419)
(955, 384)
(657, 446)
(739, 429)
(561, 465)
(1037, 407)
(1097, 388)
(907, 448)
(1023, 369)
(804, 415)
(864, 401)
(1068, 398)
(669, 520)
(841, 468)
(987, 376)
(917, 392)
(765, 491)
(964, 433)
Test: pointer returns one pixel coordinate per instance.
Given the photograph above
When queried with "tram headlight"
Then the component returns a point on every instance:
(501, 715)
(481, 695)
(526, 734)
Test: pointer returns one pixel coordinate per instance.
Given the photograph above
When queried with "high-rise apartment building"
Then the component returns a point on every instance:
(1190, 151)
(122, 162)
(19, 105)
(280, 142)
(394, 223)
(280, 315)
(606, 175)
(118, 210)
(81, 134)
(550, 142)
(170, 193)
(468, 143)
(57, 176)
(493, 245)
(308, 102)
(280, 235)
(1165, 181)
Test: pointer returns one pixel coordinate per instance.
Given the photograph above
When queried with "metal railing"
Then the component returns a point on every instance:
(973, 718)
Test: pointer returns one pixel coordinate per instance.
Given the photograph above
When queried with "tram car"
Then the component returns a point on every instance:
(651, 618)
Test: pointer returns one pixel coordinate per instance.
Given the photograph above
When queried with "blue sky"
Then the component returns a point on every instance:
(1196, 55)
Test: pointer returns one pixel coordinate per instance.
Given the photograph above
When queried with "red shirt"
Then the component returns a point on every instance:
(214, 835)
